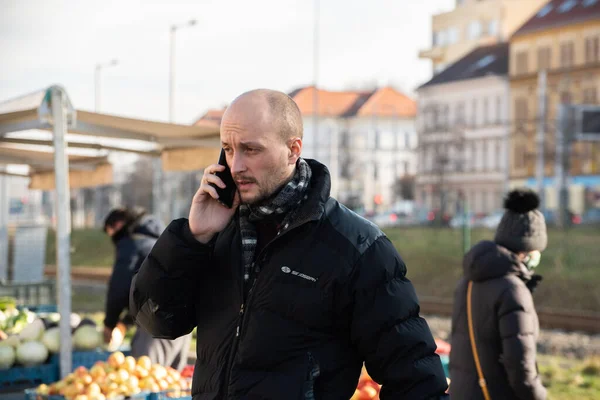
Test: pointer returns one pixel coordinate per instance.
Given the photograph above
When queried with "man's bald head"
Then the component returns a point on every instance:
(278, 107)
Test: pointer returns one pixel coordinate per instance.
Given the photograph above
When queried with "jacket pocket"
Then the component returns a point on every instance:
(312, 373)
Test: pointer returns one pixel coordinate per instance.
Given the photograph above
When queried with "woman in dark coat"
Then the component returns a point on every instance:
(499, 276)
(133, 232)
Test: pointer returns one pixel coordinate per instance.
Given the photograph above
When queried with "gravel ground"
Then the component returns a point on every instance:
(552, 342)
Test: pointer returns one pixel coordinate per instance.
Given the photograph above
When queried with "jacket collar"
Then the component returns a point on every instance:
(488, 260)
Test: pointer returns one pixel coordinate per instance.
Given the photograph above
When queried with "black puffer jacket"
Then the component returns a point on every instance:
(331, 293)
(505, 324)
(132, 244)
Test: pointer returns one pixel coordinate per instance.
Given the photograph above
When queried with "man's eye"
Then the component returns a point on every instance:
(227, 150)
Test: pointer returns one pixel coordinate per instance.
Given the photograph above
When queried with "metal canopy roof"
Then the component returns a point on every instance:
(27, 112)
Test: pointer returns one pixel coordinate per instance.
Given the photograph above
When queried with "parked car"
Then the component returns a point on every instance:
(591, 216)
(493, 220)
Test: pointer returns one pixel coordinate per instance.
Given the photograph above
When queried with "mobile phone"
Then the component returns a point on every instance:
(227, 194)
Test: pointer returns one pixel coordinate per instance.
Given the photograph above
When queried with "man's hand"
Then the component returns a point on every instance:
(107, 334)
(207, 216)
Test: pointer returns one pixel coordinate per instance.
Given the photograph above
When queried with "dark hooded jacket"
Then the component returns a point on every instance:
(332, 292)
(132, 245)
(505, 325)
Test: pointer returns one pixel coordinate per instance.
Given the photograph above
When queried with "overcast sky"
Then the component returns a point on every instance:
(237, 45)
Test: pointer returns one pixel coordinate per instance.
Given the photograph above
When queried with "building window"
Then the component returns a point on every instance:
(567, 54)
(499, 110)
(567, 5)
(498, 155)
(590, 96)
(474, 113)
(460, 114)
(520, 153)
(486, 113)
(440, 38)
(592, 50)
(544, 11)
(375, 171)
(521, 112)
(406, 168)
(453, 35)
(493, 28)
(544, 58)
(407, 140)
(474, 29)
(566, 98)
(521, 63)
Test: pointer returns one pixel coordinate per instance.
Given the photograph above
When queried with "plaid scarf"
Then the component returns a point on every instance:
(286, 203)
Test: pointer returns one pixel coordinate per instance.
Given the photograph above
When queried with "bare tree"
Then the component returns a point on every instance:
(448, 148)
(137, 188)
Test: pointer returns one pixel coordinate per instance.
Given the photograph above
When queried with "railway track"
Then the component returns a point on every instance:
(567, 320)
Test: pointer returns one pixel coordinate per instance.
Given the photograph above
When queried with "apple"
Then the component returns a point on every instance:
(154, 388)
(123, 389)
(116, 359)
(141, 372)
(144, 362)
(158, 372)
(163, 385)
(122, 376)
(80, 371)
(129, 364)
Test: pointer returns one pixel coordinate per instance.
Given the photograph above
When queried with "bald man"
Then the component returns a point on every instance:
(291, 291)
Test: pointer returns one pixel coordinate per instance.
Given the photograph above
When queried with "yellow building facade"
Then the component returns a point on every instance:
(563, 38)
(475, 23)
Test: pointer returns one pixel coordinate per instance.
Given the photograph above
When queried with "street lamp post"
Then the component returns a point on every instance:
(97, 72)
(174, 29)
(316, 75)
(159, 206)
(98, 212)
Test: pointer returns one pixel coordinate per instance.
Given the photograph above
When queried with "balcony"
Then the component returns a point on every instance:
(434, 54)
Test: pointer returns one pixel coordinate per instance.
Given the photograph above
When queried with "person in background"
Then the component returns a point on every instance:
(494, 350)
(133, 233)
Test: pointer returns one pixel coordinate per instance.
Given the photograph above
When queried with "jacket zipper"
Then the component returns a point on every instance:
(241, 314)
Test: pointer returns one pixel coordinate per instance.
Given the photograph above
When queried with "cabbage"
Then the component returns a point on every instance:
(3, 318)
(33, 331)
(87, 337)
(7, 357)
(51, 339)
(31, 353)
(12, 340)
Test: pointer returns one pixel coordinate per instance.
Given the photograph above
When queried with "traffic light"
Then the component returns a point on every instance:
(587, 119)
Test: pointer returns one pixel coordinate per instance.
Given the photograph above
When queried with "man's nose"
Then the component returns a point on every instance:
(237, 164)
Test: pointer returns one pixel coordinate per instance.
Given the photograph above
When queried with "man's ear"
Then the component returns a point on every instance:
(295, 150)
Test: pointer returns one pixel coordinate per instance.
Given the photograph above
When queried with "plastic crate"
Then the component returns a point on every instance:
(87, 359)
(32, 376)
(446, 364)
(30, 294)
(41, 308)
(172, 395)
(30, 394)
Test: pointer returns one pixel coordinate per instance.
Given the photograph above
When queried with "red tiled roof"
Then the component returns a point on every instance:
(388, 102)
(557, 13)
(211, 117)
(381, 102)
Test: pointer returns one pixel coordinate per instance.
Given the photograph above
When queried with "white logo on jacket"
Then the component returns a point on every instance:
(287, 270)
